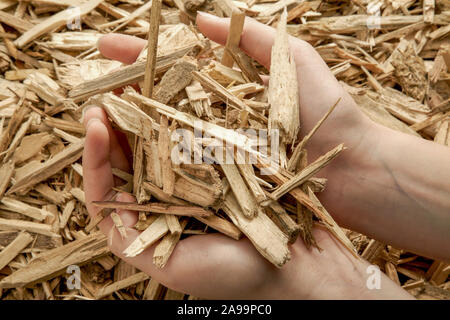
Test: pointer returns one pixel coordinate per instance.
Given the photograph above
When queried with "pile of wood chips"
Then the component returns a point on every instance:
(392, 56)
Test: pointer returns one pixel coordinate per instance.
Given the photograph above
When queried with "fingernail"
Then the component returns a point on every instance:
(83, 113)
(98, 42)
(89, 107)
(91, 121)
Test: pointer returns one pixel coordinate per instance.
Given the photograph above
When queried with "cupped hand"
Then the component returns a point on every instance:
(215, 266)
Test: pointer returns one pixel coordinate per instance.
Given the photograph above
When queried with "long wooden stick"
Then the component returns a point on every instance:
(281, 177)
(296, 154)
(191, 211)
(307, 173)
(152, 49)
(283, 94)
(125, 76)
(234, 35)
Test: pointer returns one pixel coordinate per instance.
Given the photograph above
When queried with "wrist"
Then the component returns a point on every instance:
(333, 273)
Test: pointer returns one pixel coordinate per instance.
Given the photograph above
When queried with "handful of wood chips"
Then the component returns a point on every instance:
(210, 177)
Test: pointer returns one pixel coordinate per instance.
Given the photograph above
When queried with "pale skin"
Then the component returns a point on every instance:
(388, 185)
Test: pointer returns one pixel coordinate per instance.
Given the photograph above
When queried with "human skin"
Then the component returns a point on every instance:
(400, 198)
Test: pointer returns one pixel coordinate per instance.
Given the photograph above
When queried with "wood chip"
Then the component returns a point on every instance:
(64, 158)
(55, 22)
(293, 161)
(261, 231)
(188, 211)
(6, 173)
(122, 284)
(284, 114)
(152, 234)
(234, 35)
(14, 248)
(23, 208)
(175, 79)
(164, 249)
(307, 173)
(55, 262)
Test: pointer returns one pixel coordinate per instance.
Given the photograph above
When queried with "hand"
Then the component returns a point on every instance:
(388, 185)
(215, 266)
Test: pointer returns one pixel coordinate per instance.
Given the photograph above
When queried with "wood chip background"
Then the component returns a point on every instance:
(393, 57)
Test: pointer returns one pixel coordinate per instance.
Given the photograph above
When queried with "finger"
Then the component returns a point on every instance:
(117, 156)
(257, 40)
(121, 47)
(122, 139)
(314, 76)
(192, 257)
(97, 173)
(198, 261)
